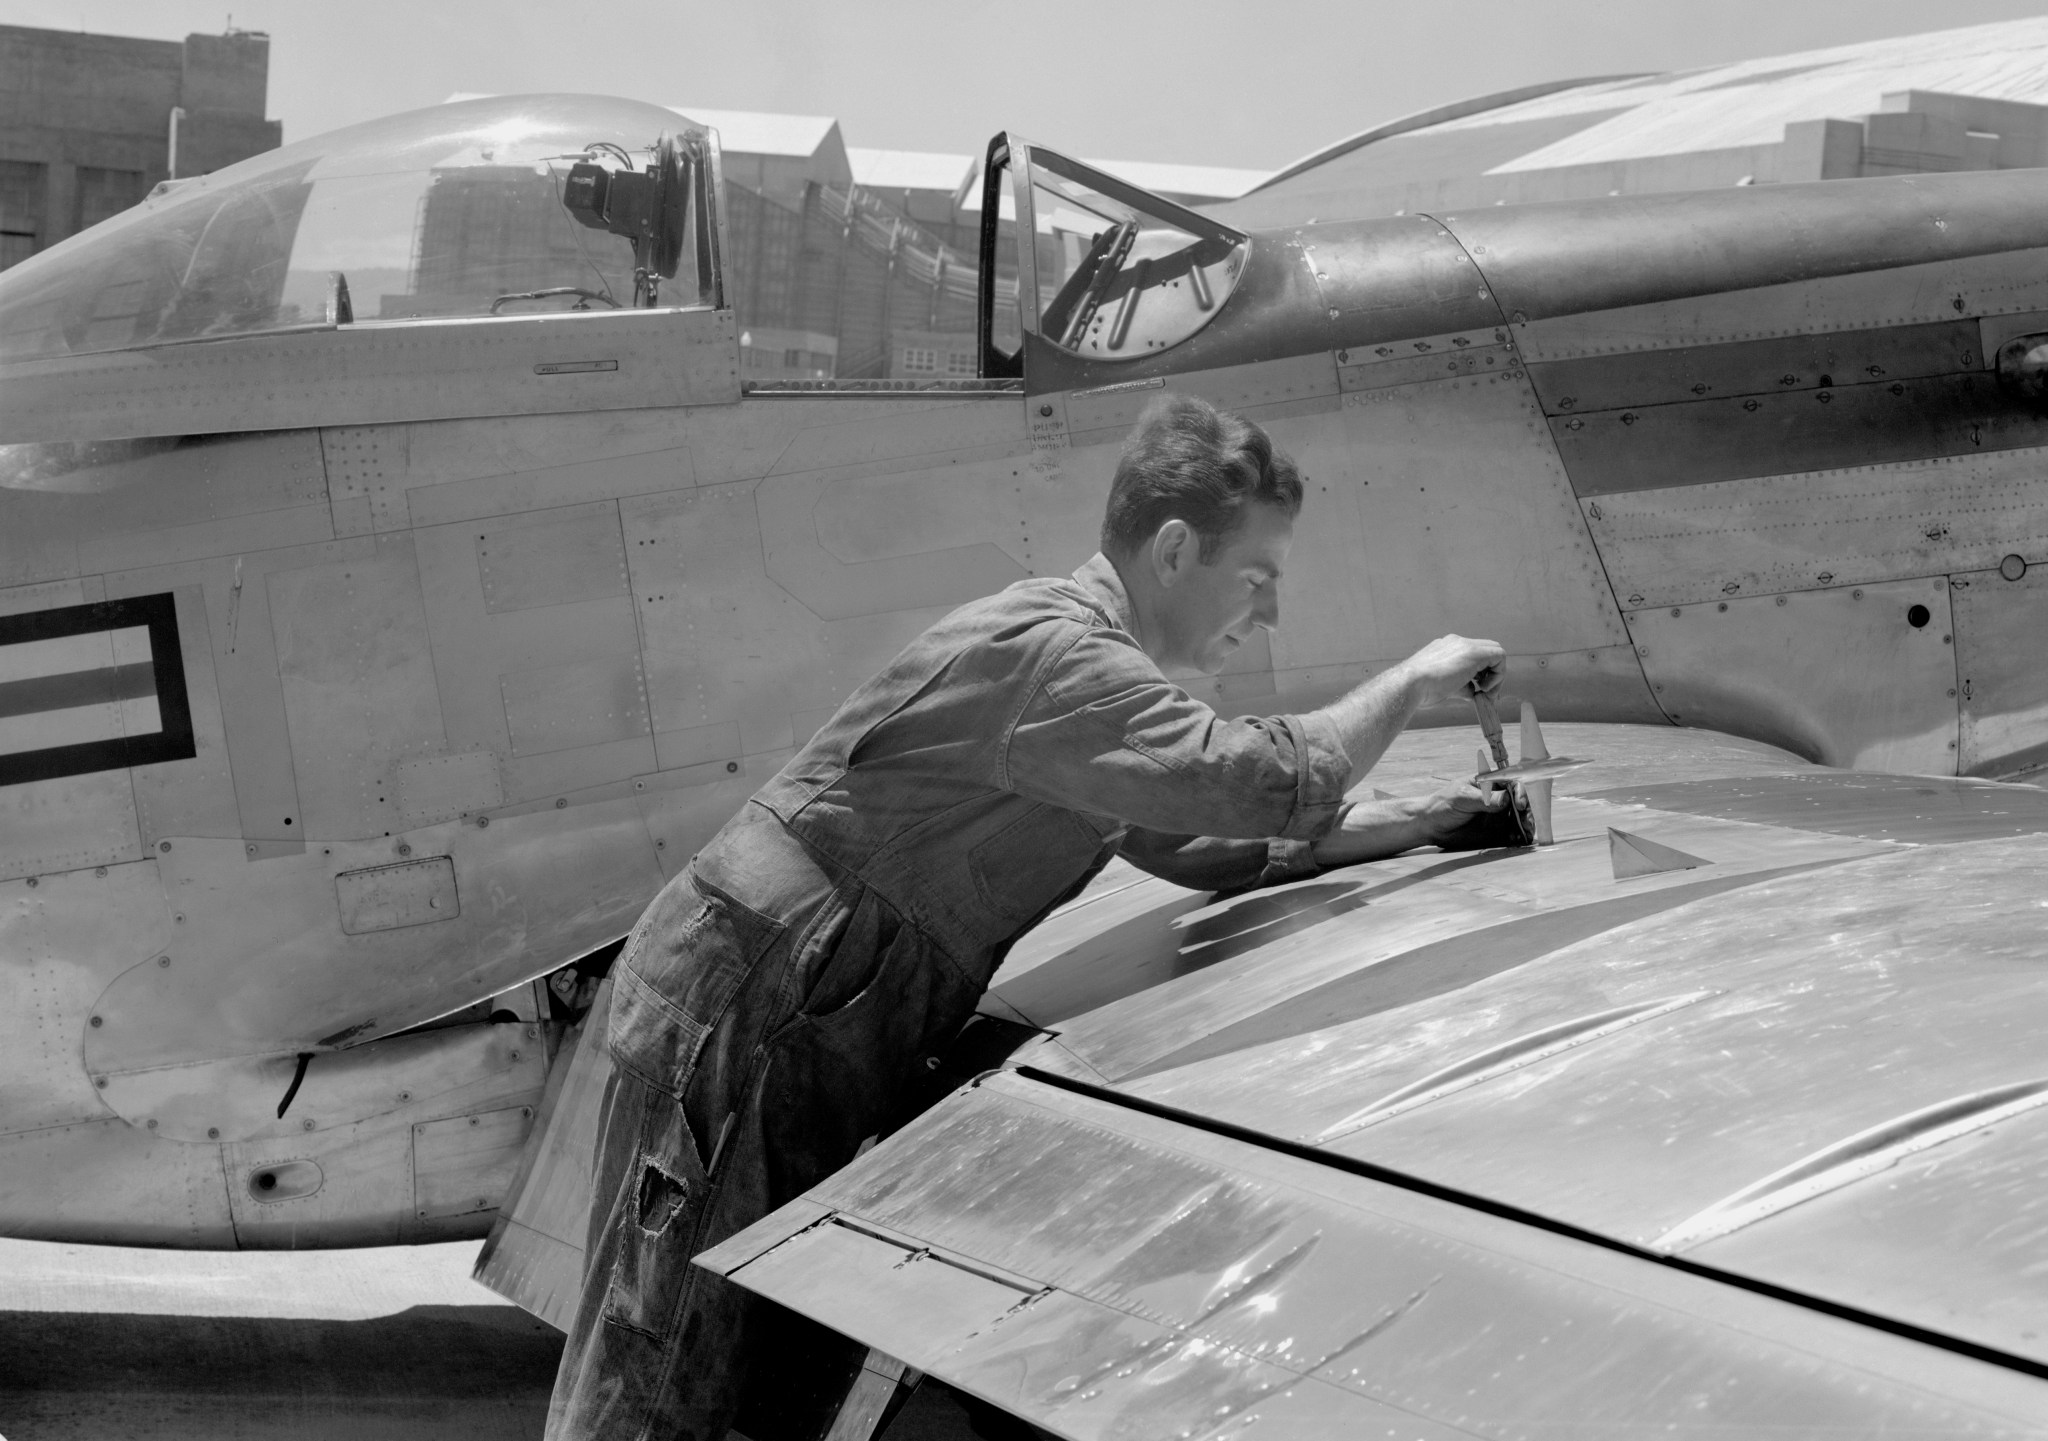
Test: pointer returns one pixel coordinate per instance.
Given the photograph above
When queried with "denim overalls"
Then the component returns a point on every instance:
(779, 995)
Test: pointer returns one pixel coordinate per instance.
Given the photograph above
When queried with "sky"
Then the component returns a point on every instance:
(1251, 83)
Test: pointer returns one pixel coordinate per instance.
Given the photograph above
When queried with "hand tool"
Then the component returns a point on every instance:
(1489, 726)
(1535, 768)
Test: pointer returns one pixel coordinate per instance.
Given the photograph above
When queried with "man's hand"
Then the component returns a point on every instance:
(1372, 715)
(1454, 665)
(1449, 813)
(1462, 818)
(1466, 818)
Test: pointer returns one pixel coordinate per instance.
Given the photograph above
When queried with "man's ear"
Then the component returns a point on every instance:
(1175, 549)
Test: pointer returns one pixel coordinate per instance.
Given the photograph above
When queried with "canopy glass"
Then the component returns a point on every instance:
(453, 211)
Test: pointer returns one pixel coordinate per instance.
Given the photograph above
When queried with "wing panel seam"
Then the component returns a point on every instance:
(1506, 1211)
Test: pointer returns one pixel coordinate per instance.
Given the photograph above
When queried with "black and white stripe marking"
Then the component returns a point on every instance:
(91, 688)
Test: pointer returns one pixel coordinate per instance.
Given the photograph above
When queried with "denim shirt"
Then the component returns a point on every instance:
(999, 761)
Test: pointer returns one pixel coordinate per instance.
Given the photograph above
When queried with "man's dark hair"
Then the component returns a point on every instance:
(1189, 461)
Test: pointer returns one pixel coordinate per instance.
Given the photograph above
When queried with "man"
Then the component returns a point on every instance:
(778, 995)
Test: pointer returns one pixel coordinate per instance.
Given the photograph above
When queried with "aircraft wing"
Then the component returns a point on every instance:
(1726, 1112)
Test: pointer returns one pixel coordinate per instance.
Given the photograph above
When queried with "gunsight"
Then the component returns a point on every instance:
(649, 208)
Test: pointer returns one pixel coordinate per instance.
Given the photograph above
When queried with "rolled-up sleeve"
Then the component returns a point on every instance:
(1104, 731)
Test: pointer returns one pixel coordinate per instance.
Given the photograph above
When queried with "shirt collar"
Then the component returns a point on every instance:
(1106, 589)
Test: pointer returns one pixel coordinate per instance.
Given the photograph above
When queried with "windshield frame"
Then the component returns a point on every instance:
(1022, 158)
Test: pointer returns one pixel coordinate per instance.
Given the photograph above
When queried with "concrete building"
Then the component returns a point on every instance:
(925, 187)
(840, 284)
(484, 231)
(1968, 99)
(89, 123)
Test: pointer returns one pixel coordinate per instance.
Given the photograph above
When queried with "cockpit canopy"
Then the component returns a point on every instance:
(453, 211)
(513, 205)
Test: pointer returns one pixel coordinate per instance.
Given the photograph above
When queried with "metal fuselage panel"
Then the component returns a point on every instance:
(1793, 391)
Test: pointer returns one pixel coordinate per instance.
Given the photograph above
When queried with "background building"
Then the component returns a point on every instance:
(485, 231)
(777, 155)
(861, 263)
(1969, 99)
(88, 123)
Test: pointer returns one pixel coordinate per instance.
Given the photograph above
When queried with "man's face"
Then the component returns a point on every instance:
(1211, 608)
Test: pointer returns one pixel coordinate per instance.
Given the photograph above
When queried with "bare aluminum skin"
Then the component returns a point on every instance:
(1790, 1071)
(469, 642)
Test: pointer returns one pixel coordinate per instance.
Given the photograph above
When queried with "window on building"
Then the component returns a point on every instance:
(920, 360)
(21, 210)
(793, 359)
(959, 362)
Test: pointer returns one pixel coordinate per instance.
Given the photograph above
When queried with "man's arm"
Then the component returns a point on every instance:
(1371, 716)
(1105, 732)
(1461, 818)
(1215, 863)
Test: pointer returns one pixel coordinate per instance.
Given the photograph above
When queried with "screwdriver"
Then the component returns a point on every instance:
(1518, 802)
(1489, 726)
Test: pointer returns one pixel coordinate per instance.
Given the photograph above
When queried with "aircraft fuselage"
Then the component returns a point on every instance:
(451, 640)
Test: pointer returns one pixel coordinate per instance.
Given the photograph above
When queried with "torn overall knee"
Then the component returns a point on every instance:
(661, 1197)
(655, 1222)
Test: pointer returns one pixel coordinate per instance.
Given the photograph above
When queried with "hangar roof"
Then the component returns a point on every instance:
(747, 132)
(930, 170)
(1751, 102)
(763, 132)
(1688, 129)
(1191, 182)
(908, 169)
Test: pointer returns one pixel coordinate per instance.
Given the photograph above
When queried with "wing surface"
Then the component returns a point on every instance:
(1104, 1271)
(1805, 1071)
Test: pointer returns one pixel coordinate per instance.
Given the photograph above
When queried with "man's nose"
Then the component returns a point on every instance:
(1266, 609)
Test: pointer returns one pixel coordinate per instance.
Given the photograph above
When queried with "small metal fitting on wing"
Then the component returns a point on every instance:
(1530, 777)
